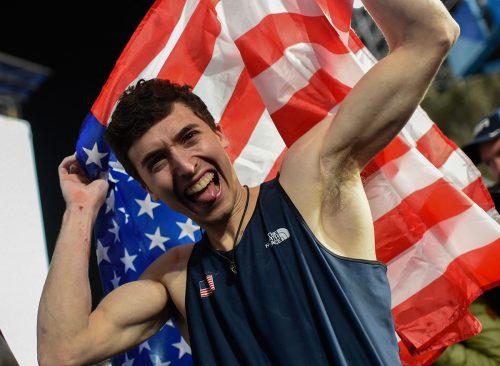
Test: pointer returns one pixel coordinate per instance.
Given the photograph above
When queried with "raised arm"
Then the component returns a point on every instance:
(68, 332)
(419, 34)
(321, 171)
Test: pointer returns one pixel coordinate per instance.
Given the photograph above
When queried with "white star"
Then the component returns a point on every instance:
(94, 156)
(158, 362)
(144, 345)
(170, 323)
(157, 240)
(188, 229)
(116, 280)
(102, 252)
(117, 166)
(115, 230)
(112, 179)
(147, 206)
(128, 260)
(122, 209)
(183, 347)
(127, 361)
(110, 201)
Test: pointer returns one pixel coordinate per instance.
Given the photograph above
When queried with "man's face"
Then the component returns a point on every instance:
(490, 155)
(183, 162)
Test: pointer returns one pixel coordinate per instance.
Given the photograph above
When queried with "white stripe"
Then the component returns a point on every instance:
(294, 69)
(459, 170)
(382, 197)
(418, 125)
(157, 63)
(365, 59)
(428, 259)
(398, 179)
(258, 157)
(245, 15)
(219, 79)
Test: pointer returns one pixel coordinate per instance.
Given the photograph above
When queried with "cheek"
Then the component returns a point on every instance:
(160, 183)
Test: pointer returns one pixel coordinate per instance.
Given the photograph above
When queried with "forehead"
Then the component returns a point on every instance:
(165, 131)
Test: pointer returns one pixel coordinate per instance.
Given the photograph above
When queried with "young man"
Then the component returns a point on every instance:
(286, 273)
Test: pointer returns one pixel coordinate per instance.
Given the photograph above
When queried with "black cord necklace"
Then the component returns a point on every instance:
(232, 261)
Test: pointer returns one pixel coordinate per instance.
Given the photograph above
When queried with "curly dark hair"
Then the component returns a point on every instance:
(143, 105)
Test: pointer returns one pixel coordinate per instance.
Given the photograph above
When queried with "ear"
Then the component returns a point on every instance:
(223, 139)
(151, 193)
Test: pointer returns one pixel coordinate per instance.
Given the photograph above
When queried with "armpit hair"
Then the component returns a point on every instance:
(338, 171)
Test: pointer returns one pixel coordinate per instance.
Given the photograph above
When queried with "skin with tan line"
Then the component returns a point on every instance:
(183, 162)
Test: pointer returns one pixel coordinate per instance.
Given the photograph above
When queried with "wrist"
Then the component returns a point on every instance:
(81, 210)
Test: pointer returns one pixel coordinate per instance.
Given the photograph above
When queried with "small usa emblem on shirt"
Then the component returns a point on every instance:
(207, 286)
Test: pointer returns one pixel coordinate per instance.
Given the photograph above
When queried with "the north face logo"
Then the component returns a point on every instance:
(277, 237)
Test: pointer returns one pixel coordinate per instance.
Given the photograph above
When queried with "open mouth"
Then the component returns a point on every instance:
(206, 189)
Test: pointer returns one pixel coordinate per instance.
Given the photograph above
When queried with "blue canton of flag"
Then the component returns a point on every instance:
(131, 231)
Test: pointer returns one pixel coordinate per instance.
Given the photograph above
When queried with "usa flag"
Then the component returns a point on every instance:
(269, 71)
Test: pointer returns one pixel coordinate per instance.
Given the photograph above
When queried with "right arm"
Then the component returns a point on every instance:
(69, 333)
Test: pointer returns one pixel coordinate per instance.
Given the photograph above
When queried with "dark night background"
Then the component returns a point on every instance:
(80, 43)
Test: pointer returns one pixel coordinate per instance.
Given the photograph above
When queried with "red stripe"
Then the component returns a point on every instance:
(210, 281)
(309, 106)
(478, 192)
(276, 166)
(397, 148)
(429, 314)
(241, 115)
(435, 146)
(147, 41)
(206, 292)
(193, 51)
(339, 11)
(277, 32)
(405, 225)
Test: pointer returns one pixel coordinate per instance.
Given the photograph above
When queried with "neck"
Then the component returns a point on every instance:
(222, 236)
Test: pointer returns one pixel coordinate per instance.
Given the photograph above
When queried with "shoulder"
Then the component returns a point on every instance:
(172, 262)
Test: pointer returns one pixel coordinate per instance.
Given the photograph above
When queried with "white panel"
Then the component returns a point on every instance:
(23, 254)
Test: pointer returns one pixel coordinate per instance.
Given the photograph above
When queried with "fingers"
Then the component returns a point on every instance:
(70, 165)
(70, 168)
(66, 163)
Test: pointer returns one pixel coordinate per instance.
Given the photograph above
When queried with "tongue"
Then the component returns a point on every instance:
(207, 195)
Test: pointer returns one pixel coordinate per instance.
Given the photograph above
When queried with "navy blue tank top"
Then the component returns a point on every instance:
(293, 301)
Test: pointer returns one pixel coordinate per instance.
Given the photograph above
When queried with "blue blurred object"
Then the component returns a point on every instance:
(478, 48)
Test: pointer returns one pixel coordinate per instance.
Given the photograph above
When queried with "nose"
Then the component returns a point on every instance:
(182, 162)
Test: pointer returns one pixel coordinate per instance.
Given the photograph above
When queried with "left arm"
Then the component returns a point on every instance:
(321, 171)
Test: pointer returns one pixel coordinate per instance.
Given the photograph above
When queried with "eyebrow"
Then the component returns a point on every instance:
(178, 137)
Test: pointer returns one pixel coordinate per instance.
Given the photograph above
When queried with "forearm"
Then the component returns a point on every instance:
(420, 33)
(66, 303)
(415, 22)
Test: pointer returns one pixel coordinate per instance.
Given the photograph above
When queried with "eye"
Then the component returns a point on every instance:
(189, 136)
(156, 163)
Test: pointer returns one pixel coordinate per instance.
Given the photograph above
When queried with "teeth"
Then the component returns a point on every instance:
(202, 184)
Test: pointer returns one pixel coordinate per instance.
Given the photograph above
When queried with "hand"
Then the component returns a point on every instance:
(77, 188)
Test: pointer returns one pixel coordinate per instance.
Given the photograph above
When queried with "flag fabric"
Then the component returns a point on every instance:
(269, 71)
